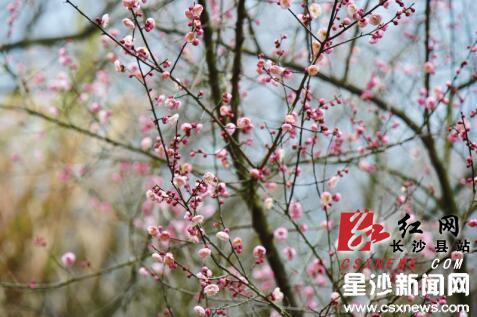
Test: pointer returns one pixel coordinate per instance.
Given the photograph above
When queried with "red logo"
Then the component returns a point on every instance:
(358, 231)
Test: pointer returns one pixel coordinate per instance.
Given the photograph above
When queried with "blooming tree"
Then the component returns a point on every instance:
(203, 151)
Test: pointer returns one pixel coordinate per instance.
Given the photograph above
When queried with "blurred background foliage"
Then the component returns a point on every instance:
(63, 189)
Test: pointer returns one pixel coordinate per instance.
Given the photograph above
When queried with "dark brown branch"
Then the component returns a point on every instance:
(83, 131)
(448, 202)
(210, 55)
(47, 41)
(259, 220)
(249, 192)
(237, 63)
(55, 285)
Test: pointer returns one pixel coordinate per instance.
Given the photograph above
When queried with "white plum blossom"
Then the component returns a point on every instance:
(222, 235)
(211, 290)
(199, 311)
(277, 295)
(315, 10)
